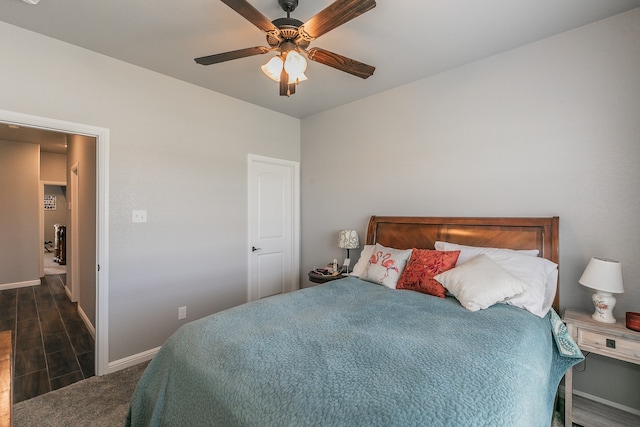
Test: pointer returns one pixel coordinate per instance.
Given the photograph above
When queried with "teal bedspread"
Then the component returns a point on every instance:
(353, 353)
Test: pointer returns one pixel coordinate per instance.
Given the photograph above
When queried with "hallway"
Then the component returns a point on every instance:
(52, 346)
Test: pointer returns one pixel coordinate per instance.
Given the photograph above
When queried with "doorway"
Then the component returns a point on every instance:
(55, 213)
(101, 136)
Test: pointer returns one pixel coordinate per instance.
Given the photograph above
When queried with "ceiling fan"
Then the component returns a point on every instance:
(291, 37)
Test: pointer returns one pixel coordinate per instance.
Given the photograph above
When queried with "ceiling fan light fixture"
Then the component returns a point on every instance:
(273, 68)
(291, 37)
(295, 65)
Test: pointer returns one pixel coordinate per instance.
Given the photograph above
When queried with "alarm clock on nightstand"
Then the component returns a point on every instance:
(633, 321)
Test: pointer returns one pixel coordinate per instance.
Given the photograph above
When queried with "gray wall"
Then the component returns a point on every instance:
(177, 151)
(19, 214)
(53, 167)
(551, 128)
(82, 150)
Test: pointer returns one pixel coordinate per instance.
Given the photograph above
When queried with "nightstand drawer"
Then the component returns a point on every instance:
(608, 343)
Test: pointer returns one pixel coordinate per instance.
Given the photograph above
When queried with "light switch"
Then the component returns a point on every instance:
(138, 216)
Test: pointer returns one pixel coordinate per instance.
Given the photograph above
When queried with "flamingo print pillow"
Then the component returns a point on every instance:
(386, 265)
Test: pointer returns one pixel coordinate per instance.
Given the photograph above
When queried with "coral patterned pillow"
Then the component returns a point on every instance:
(423, 265)
(386, 265)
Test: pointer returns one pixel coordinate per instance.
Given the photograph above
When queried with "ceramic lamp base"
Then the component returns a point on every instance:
(603, 303)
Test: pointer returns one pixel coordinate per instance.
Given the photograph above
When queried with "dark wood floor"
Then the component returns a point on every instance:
(52, 346)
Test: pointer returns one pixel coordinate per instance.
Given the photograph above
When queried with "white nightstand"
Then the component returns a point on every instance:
(606, 339)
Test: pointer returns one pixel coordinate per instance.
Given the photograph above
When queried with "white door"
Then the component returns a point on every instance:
(274, 226)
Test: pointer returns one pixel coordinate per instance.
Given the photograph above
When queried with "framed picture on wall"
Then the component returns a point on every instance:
(49, 203)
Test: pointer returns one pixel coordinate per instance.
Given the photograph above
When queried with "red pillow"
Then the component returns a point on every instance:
(423, 265)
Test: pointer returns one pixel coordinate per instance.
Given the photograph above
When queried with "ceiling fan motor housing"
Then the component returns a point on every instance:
(288, 32)
(288, 5)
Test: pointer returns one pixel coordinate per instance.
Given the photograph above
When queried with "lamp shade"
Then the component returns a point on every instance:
(348, 239)
(603, 275)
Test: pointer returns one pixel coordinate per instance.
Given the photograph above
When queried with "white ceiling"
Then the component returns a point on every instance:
(405, 40)
(49, 141)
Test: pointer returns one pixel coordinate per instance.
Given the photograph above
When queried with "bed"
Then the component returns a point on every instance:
(353, 352)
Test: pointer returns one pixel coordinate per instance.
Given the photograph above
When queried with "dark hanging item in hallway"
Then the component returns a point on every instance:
(60, 244)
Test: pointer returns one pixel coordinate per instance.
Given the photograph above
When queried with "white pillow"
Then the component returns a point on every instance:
(526, 266)
(480, 283)
(363, 261)
(550, 291)
(468, 252)
(385, 265)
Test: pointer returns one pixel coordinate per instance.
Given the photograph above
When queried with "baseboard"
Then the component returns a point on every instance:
(16, 285)
(87, 322)
(68, 292)
(599, 400)
(120, 364)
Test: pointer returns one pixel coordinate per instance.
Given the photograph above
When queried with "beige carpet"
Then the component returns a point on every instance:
(51, 267)
(97, 401)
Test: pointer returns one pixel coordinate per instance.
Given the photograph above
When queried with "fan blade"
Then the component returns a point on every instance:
(333, 16)
(254, 16)
(341, 63)
(234, 54)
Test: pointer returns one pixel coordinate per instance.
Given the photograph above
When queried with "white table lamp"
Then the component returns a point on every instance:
(605, 276)
(348, 239)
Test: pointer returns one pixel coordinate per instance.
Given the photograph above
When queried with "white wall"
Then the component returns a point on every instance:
(176, 150)
(552, 128)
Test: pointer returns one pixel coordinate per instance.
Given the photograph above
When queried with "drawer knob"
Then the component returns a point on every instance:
(611, 343)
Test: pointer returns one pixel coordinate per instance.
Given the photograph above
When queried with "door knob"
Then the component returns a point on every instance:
(253, 249)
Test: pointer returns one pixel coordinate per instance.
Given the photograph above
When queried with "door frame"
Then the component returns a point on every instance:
(295, 219)
(74, 221)
(102, 218)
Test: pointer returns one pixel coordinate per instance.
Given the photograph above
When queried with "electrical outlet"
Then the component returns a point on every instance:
(182, 312)
(138, 216)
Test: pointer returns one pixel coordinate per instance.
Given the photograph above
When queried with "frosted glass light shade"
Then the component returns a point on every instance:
(273, 68)
(295, 66)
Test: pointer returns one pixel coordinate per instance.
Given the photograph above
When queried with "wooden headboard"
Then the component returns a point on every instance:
(404, 232)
